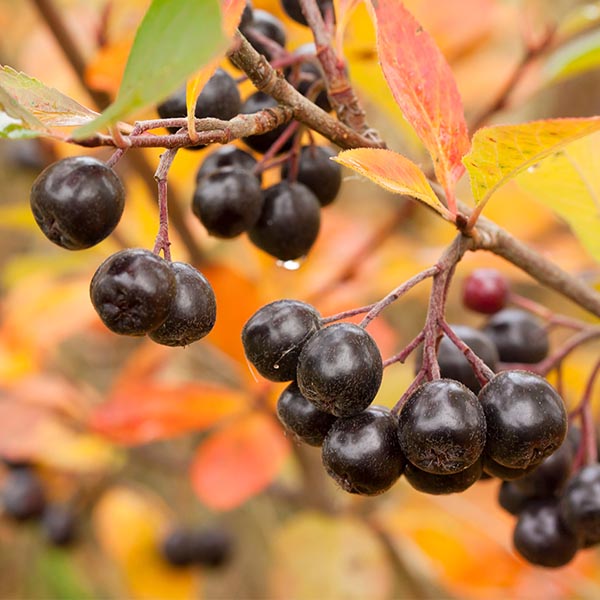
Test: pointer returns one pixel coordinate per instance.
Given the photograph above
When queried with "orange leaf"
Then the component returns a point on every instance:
(144, 411)
(105, 71)
(423, 85)
(232, 13)
(238, 461)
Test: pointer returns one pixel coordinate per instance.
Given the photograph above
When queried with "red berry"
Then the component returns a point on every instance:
(485, 291)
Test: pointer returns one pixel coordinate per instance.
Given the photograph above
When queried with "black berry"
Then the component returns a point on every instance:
(274, 336)
(226, 156)
(307, 74)
(318, 173)
(23, 495)
(289, 222)
(193, 309)
(485, 291)
(495, 469)
(59, 524)
(302, 417)
(132, 291)
(518, 336)
(511, 498)
(428, 483)
(77, 202)
(212, 546)
(526, 419)
(264, 25)
(442, 427)
(340, 369)
(294, 11)
(178, 547)
(362, 452)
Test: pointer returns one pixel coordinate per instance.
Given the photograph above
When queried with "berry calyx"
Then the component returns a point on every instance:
(485, 291)
(77, 202)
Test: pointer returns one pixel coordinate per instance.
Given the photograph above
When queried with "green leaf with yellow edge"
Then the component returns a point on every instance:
(393, 172)
(569, 183)
(130, 525)
(318, 556)
(498, 154)
(175, 39)
(577, 57)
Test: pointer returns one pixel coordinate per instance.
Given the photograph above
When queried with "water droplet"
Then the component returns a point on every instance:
(290, 265)
(533, 168)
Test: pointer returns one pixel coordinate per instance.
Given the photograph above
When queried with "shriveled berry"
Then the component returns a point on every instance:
(263, 141)
(518, 336)
(228, 201)
(318, 173)
(77, 202)
(429, 483)
(293, 9)
(59, 524)
(302, 417)
(193, 309)
(275, 335)
(442, 427)
(340, 369)
(485, 291)
(362, 452)
(264, 24)
(227, 156)
(526, 419)
(289, 222)
(23, 495)
(541, 536)
(212, 546)
(132, 291)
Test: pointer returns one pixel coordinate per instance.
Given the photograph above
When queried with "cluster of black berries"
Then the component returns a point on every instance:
(22, 498)
(186, 546)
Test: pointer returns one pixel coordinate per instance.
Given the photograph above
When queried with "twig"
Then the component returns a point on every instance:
(162, 239)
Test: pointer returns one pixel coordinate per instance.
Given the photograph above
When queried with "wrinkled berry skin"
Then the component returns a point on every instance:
(362, 454)
(132, 291)
(227, 156)
(340, 369)
(275, 335)
(22, 495)
(289, 222)
(294, 11)
(580, 504)
(302, 417)
(428, 483)
(442, 427)
(77, 202)
(193, 309)
(541, 536)
(518, 336)
(526, 419)
(485, 291)
(59, 525)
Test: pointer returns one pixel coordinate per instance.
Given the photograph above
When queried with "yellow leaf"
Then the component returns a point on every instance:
(393, 172)
(192, 91)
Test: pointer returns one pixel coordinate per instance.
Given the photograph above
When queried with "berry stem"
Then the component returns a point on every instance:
(545, 313)
(347, 314)
(287, 133)
(162, 239)
(544, 367)
(416, 382)
(406, 351)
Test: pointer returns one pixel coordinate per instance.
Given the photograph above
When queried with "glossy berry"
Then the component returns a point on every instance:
(442, 427)
(541, 536)
(22, 495)
(59, 524)
(226, 156)
(495, 469)
(132, 291)
(228, 201)
(362, 452)
(262, 142)
(293, 9)
(580, 504)
(518, 336)
(77, 202)
(289, 222)
(318, 173)
(178, 547)
(511, 498)
(526, 419)
(193, 309)
(275, 335)
(265, 25)
(340, 369)
(302, 417)
(485, 291)
(428, 483)
(212, 546)
(453, 363)
(220, 99)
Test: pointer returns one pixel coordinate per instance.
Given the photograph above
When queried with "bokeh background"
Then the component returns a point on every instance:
(139, 438)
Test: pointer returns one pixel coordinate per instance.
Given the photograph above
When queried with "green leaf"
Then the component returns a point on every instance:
(14, 129)
(575, 58)
(175, 38)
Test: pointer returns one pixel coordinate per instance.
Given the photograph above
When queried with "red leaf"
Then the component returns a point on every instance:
(423, 85)
(144, 411)
(238, 461)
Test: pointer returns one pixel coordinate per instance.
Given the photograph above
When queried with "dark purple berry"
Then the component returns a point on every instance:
(340, 369)
(212, 546)
(23, 495)
(59, 524)
(303, 418)
(264, 25)
(132, 291)
(495, 469)
(227, 156)
(485, 291)
(442, 427)
(193, 309)
(518, 336)
(362, 452)
(526, 419)
(307, 74)
(178, 547)
(77, 202)
(293, 9)
(274, 336)
(511, 498)
(429, 483)
(289, 222)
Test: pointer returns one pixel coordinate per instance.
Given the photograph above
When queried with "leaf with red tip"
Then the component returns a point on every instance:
(239, 461)
(231, 11)
(425, 89)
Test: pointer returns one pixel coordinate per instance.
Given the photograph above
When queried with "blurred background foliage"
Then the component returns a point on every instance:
(139, 437)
